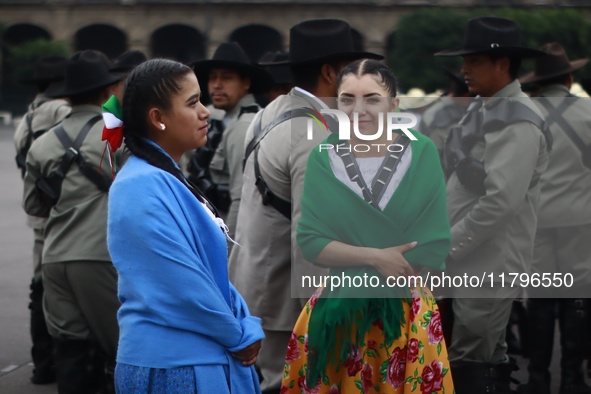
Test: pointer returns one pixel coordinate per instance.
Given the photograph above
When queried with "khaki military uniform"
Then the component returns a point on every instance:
(267, 267)
(226, 164)
(80, 281)
(439, 118)
(564, 219)
(45, 113)
(494, 232)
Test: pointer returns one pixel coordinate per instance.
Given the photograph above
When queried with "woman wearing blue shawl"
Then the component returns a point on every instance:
(184, 328)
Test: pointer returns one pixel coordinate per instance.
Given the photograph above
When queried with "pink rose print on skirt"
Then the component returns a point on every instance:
(434, 330)
(315, 297)
(432, 378)
(367, 378)
(413, 350)
(308, 390)
(353, 363)
(397, 367)
(293, 349)
(415, 307)
(333, 390)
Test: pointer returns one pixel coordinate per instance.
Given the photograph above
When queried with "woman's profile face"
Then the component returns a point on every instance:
(368, 99)
(186, 120)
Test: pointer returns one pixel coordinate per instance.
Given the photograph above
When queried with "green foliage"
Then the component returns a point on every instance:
(419, 35)
(21, 58)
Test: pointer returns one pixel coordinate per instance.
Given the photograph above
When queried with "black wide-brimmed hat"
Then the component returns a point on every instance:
(323, 40)
(553, 64)
(281, 72)
(230, 55)
(492, 35)
(85, 71)
(128, 61)
(47, 69)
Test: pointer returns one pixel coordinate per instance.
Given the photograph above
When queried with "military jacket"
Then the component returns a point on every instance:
(494, 232)
(76, 227)
(439, 119)
(226, 164)
(268, 258)
(45, 113)
(565, 199)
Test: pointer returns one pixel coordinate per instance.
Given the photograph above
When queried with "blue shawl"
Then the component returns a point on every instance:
(178, 306)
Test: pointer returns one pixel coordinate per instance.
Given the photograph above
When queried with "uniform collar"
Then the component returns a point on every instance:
(39, 99)
(232, 115)
(554, 90)
(244, 102)
(319, 104)
(510, 90)
(95, 109)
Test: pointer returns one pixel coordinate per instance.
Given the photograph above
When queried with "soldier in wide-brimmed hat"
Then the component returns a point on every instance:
(125, 63)
(282, 79)
(231, 80)
(273, 182)
(43, 113)
(493, 160)
(563, 227)
(66, 182)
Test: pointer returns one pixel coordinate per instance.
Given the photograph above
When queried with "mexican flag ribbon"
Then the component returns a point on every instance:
(113, 130)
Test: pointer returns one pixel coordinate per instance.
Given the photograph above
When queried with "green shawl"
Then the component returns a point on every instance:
(331, 211)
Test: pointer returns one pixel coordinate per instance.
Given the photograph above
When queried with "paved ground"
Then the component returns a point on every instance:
(16, 242)
(16, 267)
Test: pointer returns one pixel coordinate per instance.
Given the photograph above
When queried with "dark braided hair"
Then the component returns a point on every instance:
(362, 67)
(152, 84)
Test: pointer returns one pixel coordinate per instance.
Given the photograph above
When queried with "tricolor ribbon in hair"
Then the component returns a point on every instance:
(112, 131)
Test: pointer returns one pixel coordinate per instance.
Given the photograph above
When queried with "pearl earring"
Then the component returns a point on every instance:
(162, 126)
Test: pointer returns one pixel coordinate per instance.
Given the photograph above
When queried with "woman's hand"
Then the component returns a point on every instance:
(390, 262)
(249, 354)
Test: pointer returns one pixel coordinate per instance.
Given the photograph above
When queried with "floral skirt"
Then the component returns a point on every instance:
(416, 362)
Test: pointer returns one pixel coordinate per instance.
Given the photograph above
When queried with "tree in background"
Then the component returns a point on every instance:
(19, 61)
(21, 58)
(419, 35)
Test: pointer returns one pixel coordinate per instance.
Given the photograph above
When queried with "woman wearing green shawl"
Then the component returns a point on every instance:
(371, 209)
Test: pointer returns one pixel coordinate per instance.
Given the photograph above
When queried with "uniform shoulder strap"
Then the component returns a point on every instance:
(555, 114)
(508, 112)
(72, 147)
(72, 154)
(259, 133)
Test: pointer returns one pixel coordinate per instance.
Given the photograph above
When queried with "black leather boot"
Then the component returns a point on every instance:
(43, 349)
(503, 378)
(473, 377)
(573, 337)
(541, 320)
(77, 367)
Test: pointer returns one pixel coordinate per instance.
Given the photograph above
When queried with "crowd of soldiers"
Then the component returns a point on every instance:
(518, 184)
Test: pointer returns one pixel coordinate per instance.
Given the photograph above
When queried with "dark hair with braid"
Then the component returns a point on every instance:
(152, 84)
(361, 67)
